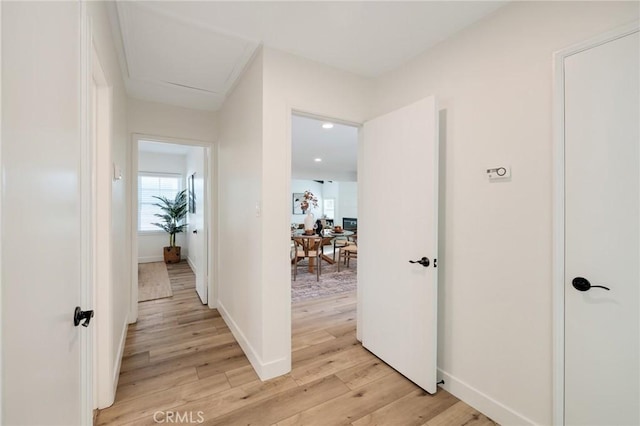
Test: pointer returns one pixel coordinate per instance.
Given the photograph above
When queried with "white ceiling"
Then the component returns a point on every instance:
(190, 53)
(337, 147)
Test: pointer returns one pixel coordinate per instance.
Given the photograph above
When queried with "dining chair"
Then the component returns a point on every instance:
(348, 252)
(343, 241)
(308, 248)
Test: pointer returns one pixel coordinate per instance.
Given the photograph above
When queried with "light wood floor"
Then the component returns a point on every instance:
(181, 358)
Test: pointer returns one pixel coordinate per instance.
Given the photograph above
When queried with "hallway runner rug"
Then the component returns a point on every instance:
(153, 281)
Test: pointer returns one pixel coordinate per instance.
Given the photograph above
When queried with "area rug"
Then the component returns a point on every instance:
(153, 281)
(331, 282)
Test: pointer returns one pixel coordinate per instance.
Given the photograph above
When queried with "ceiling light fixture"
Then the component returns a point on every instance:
(327, 125)
(317, 160)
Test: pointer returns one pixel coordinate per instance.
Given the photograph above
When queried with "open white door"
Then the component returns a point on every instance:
(398, 223)
(198, 225)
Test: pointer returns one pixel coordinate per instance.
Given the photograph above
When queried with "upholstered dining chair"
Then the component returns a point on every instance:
(308, 248)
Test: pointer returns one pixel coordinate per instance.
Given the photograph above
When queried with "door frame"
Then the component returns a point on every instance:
(304, 112)
(558, 215)
(210, 219)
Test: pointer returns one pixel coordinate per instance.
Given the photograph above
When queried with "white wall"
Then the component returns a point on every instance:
(299, 186)
(151, 243)
(494, 84)
(347, 201)
(239, 187)
(120, 196)
(151, 118)
(291, 82)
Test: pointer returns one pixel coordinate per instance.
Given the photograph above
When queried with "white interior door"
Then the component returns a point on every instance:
(398, 222)
(41, 222)
(602, 218)
(198, 228)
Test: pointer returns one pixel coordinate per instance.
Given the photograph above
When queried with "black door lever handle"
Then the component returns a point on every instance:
(424, 261)
(79, 315)
(583, 284)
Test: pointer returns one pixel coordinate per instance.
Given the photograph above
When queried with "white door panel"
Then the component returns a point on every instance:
(602, 230)
(397, 223)
(197, 223)
(41, 226)
(201, 237)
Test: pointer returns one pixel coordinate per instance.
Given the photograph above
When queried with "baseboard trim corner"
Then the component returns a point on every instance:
(497, 411)
(265, 371)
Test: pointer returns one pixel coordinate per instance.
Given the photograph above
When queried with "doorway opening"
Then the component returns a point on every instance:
(324, 212)
(169, 171)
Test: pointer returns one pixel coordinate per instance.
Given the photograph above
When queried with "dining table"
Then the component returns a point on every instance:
(327, 235)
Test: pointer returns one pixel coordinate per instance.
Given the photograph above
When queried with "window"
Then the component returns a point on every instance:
(329, 209)
(150, 185)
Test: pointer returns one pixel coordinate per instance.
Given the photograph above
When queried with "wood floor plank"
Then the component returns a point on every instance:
(156, 383)
(134, 361)
(168, 399)
(460, 414)
(324, 349)
(307, 372)
(181, 358)
(310, 339)
(412, 409)
(221, 365)
(366, 372)
(355, 404)
(197, 359)
(284, 404)
(225, 402)
(241, 375)
(150, 342)
(182, 348)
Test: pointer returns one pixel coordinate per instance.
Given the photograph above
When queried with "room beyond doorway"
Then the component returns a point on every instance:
(164, 167)
(324, 198)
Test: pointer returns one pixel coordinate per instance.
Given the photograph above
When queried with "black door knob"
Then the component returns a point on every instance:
(79, 315)
(583, 284)
(424, 261)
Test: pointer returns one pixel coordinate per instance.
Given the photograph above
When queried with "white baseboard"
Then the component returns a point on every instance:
(192, 265)
(118, 361)
(485, 404)
(264, 370)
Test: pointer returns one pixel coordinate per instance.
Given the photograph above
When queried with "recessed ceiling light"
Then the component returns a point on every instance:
(317, 160)
(327, 125)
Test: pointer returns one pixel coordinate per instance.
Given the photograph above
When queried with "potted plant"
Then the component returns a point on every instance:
(174, 212)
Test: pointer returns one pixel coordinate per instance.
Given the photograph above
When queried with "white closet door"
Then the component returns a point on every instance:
(602, 221)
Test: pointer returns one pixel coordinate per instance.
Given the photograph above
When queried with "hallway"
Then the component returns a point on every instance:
(182, 363)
